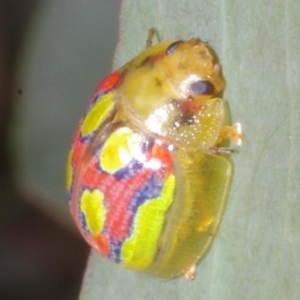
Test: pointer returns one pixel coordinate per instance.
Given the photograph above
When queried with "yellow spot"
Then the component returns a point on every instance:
(69, 171)
(120, 148)
(94, 210)
(97, 114)
(139, 250)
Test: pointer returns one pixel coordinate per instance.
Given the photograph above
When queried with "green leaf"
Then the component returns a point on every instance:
(256, 253)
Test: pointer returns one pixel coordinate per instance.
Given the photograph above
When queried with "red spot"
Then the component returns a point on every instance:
(119, 215)
(101, 243)
(118, 194)
(164, 156)
(108, 83)
(79, 151)
(187, 106)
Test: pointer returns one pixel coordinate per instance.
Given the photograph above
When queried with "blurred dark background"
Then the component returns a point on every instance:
(39, 257)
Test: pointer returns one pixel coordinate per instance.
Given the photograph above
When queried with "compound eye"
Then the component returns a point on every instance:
(173, 47)
(202, 87)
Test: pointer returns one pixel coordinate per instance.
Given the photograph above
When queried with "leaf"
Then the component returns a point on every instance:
(256, 253)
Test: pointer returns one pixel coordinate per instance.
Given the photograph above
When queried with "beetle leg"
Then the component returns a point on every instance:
(233, 133)
(190, 274)
(220, 150)
(152, 31)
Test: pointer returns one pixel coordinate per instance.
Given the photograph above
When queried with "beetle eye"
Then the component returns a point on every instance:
(202, 87)
(173, 47)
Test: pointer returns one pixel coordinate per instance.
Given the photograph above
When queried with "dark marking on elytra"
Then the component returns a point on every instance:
(173, 47)
(158, 82)
(145, 61)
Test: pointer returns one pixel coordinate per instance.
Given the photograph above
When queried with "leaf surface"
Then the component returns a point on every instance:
(256, 252)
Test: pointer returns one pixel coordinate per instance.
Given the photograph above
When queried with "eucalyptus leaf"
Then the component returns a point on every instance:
(255, 254)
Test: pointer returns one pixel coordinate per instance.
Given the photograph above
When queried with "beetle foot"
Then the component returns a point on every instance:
(152, 31)
(190, 274)
(233, 133)
(221, 150)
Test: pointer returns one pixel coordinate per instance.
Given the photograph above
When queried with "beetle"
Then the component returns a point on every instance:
(147, 173)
